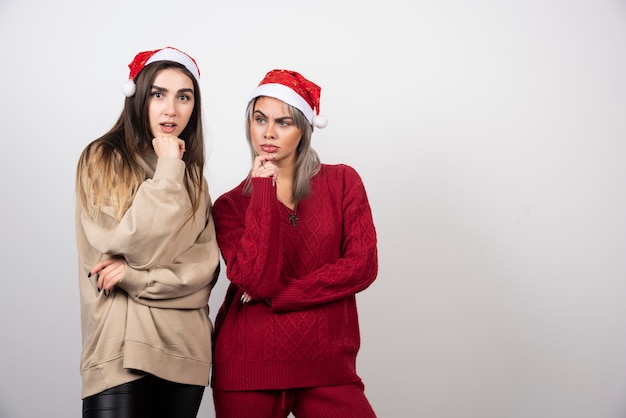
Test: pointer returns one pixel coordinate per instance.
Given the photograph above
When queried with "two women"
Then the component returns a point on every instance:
(297, 238)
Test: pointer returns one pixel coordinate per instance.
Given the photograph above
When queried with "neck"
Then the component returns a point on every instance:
(284, 191)
(286, 173)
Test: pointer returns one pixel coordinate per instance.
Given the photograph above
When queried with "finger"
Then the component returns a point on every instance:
(100, 281)
(97, 268)
(263, 158)
(168, 146)
(100, 265)
(111, 281)
(112, 278)
(105, 269)
(102, 278)
(97, 272)
(263, 167)
(259, 160)
(265, 172)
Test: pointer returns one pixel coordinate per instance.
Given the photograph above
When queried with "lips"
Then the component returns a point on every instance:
(168, 127)
(270, 149)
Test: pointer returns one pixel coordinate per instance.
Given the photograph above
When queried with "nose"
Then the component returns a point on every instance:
(170, 108)
(269, 131)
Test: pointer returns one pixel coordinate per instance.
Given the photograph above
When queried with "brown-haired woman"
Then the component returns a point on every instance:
(147, 253)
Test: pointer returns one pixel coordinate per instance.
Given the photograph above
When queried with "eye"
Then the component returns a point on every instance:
(184, 97)
(259, 119)
(156, 94)
(285, 122)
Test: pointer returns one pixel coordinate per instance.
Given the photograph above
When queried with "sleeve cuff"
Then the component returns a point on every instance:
(169, 168)
(134, 282)
(263, 189)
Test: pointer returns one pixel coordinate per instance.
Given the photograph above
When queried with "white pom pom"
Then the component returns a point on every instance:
(320, 121)
(128, 88)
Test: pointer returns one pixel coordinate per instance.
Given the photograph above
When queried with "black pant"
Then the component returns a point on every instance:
(148, 397)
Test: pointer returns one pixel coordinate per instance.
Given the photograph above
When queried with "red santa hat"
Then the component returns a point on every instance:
(165, 54)
(292, 88)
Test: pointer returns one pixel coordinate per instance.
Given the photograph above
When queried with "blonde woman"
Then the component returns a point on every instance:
(299, 243)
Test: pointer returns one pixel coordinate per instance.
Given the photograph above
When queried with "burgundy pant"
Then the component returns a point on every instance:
(343, 401)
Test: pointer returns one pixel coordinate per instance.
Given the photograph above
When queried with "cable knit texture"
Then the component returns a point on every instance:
(301, 329)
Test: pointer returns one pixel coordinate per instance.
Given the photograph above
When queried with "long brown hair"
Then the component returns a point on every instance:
(307, 161)
(108, 171)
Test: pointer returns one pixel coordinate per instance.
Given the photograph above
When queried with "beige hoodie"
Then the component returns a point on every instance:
(156, 320)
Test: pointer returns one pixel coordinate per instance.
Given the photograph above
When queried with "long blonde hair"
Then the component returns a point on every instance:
(307, 162)
(108, 171)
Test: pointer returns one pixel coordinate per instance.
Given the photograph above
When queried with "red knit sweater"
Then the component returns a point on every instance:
(301, 329)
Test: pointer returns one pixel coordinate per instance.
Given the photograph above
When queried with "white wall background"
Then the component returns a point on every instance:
(489, 134)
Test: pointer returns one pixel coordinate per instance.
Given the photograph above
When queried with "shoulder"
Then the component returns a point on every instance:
(339, 171)
(234, 195)
(98, 151)
(91, 151)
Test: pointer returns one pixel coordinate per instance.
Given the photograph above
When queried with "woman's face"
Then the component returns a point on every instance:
(171, 103)
(273, 131)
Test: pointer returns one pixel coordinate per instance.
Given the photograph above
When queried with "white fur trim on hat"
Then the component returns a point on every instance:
(320, 121)
(287, 95)
(129, 88)
(170, 54)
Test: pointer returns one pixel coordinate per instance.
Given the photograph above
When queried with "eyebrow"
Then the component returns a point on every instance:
(163, 89)
(282, 118)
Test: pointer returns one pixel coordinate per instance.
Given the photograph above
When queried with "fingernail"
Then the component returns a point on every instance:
(89, 274)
